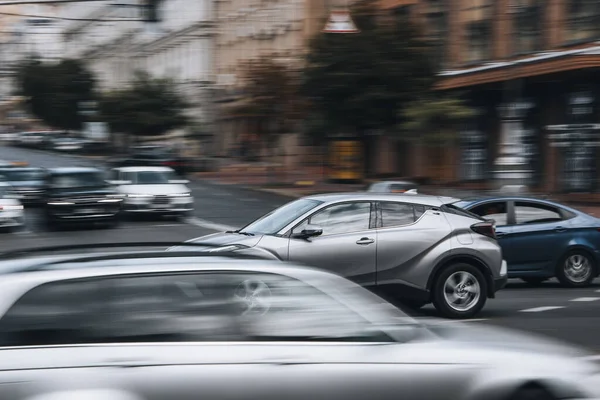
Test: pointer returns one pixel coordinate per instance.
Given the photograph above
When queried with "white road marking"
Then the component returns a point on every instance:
(541, 309)
(209, 225)
(24, 233)
(586, 299)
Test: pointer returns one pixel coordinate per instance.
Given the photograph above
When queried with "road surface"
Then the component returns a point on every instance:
(572, 315)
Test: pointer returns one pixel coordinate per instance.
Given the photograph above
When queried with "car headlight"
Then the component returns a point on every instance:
(140, 196)
(11, 208)
(180, 195)
(61, 203)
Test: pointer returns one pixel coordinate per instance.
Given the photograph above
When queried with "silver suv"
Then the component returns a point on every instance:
(418, 248)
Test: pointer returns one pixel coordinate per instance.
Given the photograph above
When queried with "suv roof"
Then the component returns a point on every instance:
(428, 200)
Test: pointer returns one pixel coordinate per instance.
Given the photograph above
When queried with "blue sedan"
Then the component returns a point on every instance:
(542, 239)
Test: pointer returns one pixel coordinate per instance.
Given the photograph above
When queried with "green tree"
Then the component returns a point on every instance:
(435, 120)
(358, 82)
(147, 107)
(271, 98)
(53, 92)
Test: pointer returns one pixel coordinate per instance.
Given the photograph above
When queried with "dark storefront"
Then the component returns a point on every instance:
(578, 141)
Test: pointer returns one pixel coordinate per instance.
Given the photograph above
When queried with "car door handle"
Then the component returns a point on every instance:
(560, 229)
(365, 240)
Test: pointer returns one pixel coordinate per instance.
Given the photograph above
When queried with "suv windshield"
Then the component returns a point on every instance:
(77, 180)
(151, 177)
(278, 219)
(16, 175)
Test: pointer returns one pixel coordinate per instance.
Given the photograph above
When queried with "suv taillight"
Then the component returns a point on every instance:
(485, 228)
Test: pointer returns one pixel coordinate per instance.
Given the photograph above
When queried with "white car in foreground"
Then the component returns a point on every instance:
(155, 190)
(11, 209)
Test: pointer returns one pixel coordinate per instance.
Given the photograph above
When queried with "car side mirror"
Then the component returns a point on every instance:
(179, 181)
(309, 231)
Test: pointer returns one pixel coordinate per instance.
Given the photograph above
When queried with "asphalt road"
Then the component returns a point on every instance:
(572, 315)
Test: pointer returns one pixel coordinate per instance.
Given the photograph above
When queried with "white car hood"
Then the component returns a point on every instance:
(154, 190)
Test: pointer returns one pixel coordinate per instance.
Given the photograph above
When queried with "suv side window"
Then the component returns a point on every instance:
(53, 313)
(535, 213)
(342, 218)
(398, 214)
(496, 210)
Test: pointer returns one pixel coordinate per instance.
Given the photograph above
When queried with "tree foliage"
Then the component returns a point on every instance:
(271, 97)
(147, 107)
(435, 119)
(359, 82)
(53, 92)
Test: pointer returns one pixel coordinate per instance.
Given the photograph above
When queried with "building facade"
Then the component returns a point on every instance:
(529, 67)
(249, 29)
(117, 42)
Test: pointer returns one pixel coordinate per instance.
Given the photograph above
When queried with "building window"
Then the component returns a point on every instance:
(528, 25)
(437, 28)
(478, 17)
(583, 20)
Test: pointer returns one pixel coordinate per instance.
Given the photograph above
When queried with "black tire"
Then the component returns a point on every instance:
(534, 281)
(532, 393)
(567, 273)
(473, 275)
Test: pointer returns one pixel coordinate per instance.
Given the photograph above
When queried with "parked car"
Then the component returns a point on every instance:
(11, 209)
(80, 195)
(67, 144)
(155, 156)
(27, 183)
(417, 248)
(542, 239)
(31, 139)
(150, 325)
(393, 187)
(155, 190)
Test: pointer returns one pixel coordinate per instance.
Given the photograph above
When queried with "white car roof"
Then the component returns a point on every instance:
(145, 169)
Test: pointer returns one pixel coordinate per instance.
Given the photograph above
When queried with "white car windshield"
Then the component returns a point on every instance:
(278, 219)
(151, 177)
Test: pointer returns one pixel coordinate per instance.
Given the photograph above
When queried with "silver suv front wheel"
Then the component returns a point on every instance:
(460, 291)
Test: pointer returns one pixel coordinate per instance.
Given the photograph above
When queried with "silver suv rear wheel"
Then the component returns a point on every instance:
(460, 291)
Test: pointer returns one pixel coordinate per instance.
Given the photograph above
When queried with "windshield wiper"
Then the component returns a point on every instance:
(239, 231)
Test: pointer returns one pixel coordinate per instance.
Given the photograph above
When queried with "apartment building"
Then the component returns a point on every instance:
(530, 68)
(116, 42)
(246, 30)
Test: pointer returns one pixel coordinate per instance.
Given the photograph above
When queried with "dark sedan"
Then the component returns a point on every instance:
(542, 239)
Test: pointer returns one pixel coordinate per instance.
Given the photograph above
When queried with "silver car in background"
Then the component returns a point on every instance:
(152, 190)
(418, 248)
(161, 326)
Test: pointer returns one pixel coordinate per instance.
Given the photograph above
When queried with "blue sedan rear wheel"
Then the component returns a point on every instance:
(576, 269)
